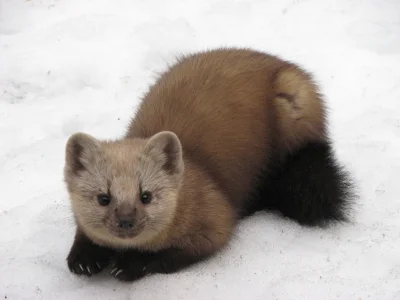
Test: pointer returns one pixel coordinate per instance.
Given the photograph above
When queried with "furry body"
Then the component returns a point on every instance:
(220, 135)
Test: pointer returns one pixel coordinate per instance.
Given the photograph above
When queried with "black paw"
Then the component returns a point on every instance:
(131, 266)
(88, 259)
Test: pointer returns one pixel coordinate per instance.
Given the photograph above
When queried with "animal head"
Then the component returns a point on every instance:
(124, 193)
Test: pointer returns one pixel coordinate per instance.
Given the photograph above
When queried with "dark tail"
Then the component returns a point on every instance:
(311, 187)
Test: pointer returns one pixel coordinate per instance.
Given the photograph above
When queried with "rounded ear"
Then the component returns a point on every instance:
(166, 148)
(80, 152)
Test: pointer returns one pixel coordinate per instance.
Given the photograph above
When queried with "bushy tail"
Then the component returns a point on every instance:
(311, 187)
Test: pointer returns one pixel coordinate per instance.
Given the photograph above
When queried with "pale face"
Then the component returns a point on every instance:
(124, 193)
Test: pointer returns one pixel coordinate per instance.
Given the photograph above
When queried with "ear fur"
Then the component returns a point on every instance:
(80, 152)
(166, 148)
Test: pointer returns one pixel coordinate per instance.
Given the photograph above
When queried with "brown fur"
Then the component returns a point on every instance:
(228, 113)
(224, 101)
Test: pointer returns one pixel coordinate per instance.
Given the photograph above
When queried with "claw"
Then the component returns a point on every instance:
(119, 272)
(88, 269)
(80, 266)
(97, 264)
(113, 270)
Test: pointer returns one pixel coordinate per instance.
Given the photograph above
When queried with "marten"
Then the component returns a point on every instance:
(220, 135)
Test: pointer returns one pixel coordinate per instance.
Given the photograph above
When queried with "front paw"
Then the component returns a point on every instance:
(88, 259)
(130, 267)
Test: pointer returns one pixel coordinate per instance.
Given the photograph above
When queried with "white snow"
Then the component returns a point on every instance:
(81, 65)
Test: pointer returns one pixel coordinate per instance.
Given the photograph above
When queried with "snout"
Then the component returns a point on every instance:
(126, 223)
(126, 219)
(126, 227)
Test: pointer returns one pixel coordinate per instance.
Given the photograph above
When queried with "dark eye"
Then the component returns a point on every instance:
(103, 199)
(145, 197)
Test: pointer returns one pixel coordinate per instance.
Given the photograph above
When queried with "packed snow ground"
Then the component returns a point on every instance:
(82, 65)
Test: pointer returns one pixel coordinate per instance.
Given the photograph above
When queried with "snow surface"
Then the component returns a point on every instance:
(82, 65)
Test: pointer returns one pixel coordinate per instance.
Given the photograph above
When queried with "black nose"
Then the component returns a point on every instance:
(125, 223)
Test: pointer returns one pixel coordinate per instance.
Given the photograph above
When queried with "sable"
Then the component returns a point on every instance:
(221, 134)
